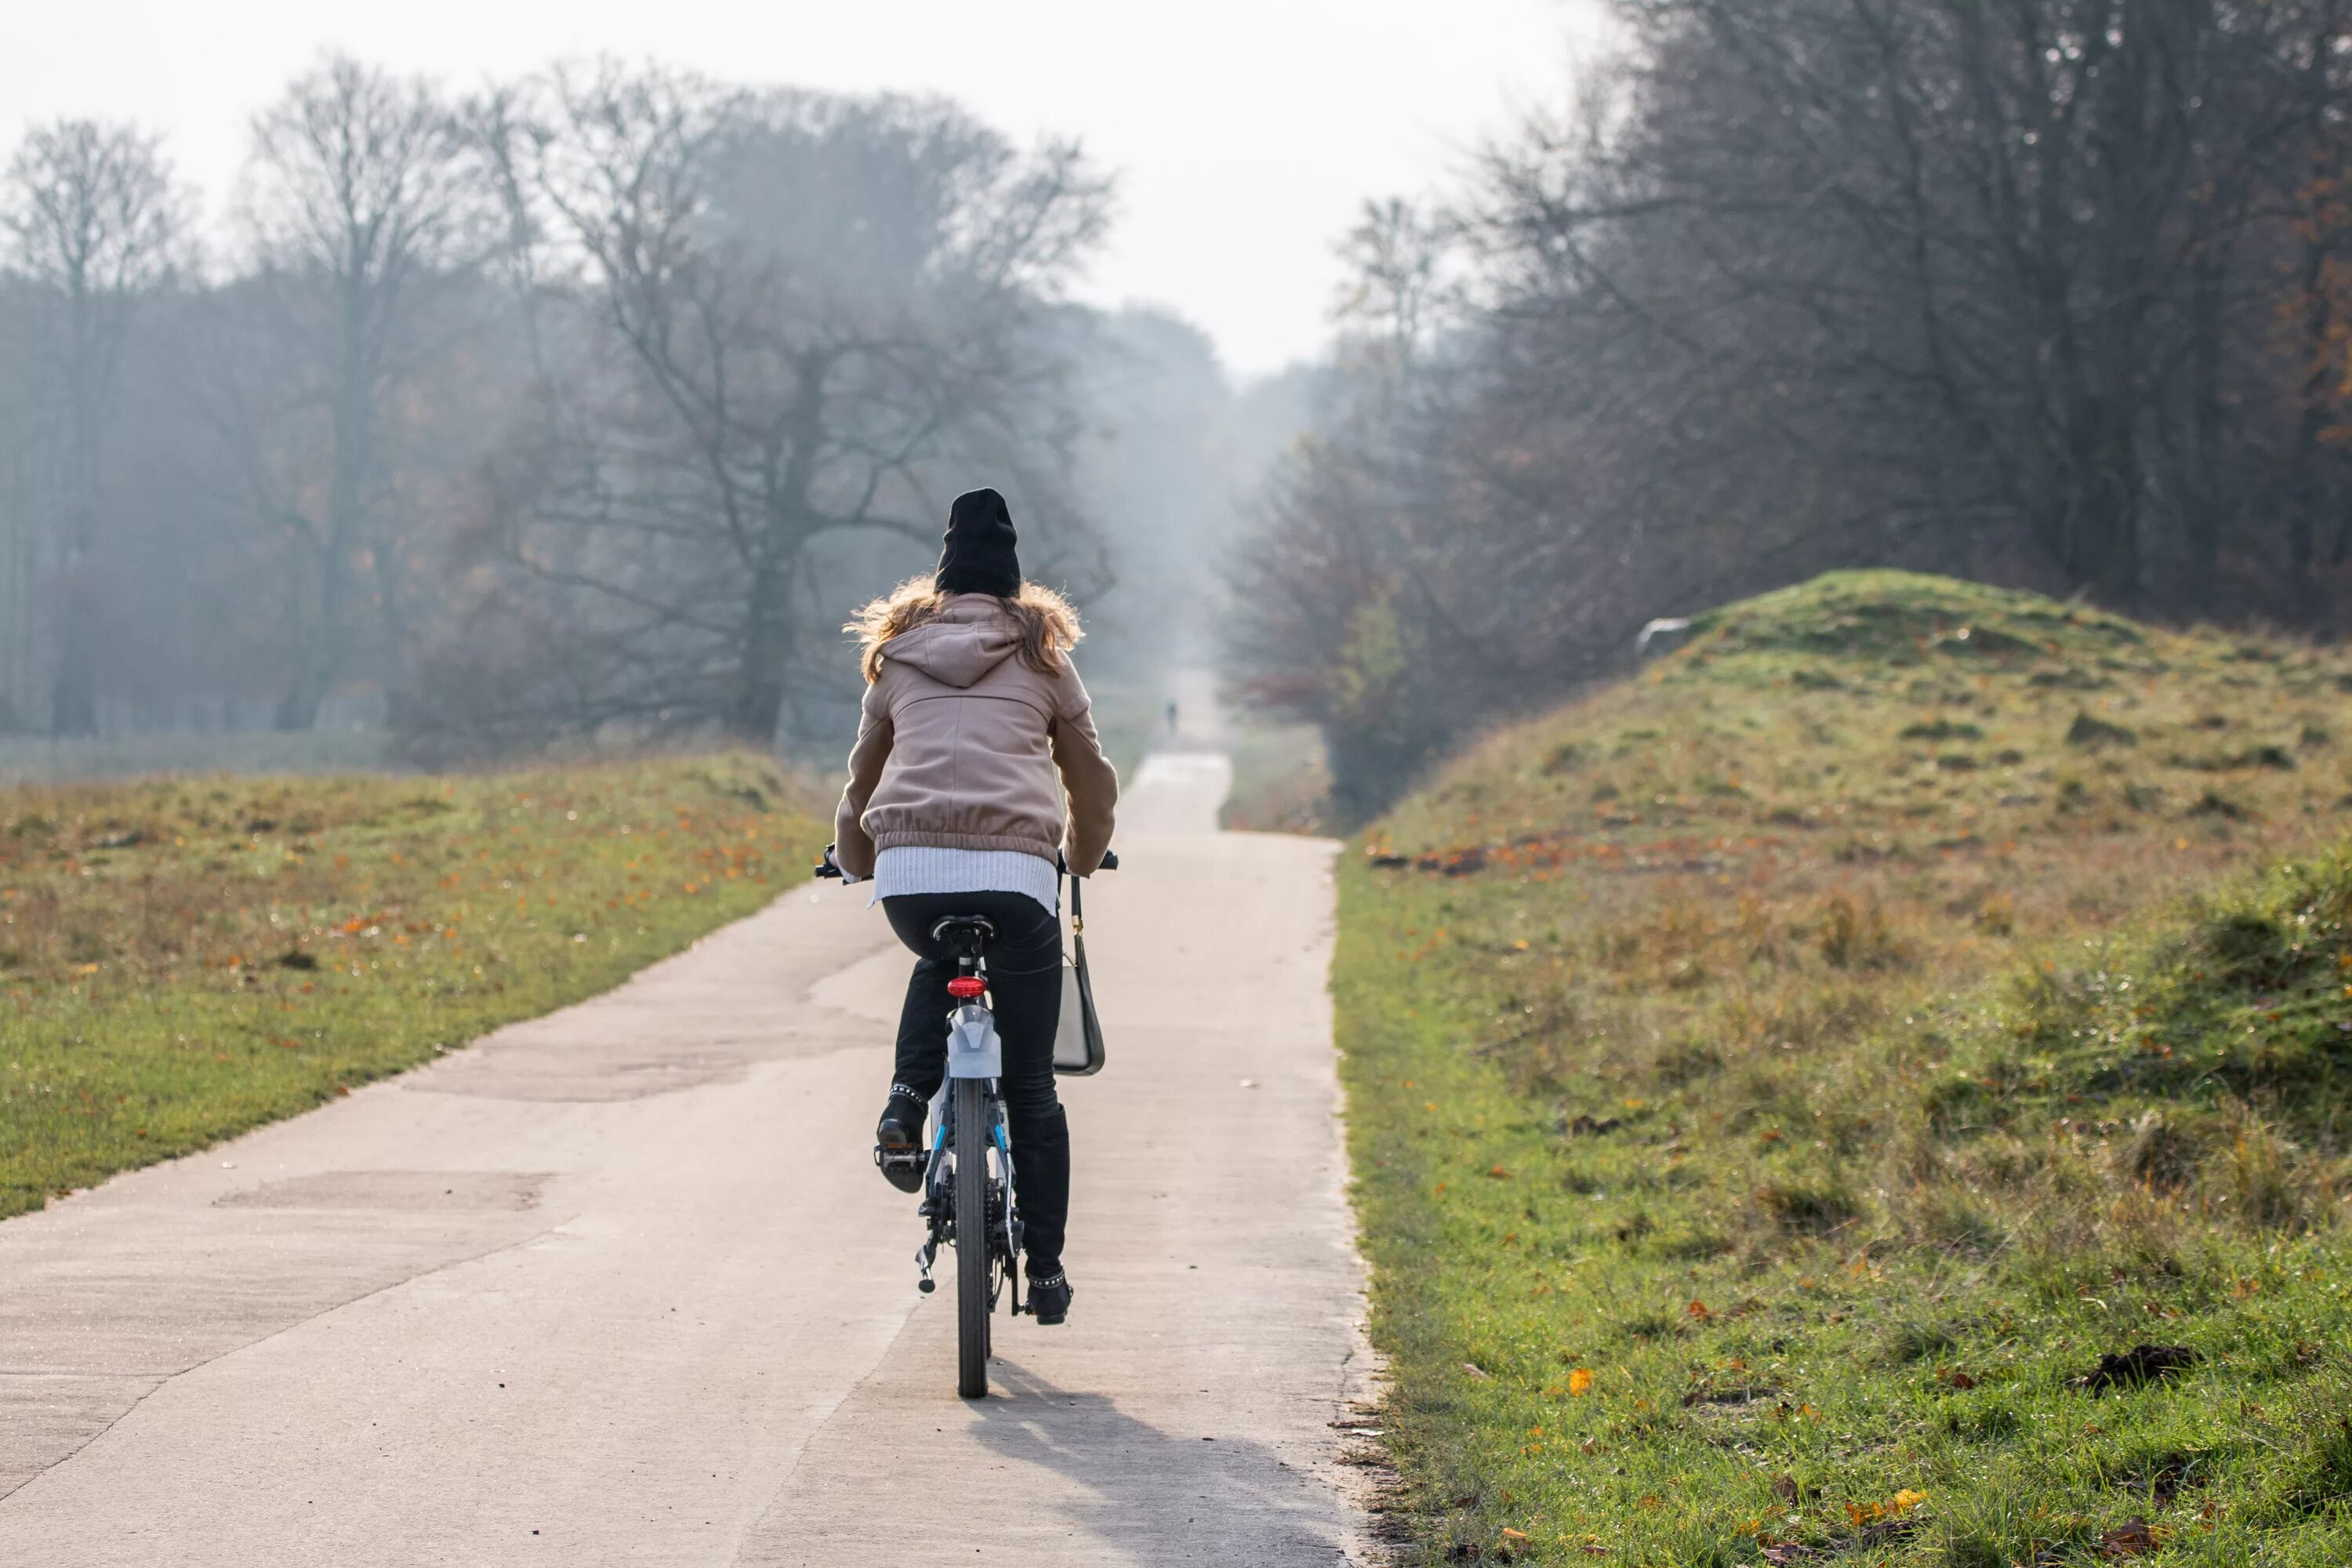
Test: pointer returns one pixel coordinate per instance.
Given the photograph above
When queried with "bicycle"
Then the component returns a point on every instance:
(969, 1187)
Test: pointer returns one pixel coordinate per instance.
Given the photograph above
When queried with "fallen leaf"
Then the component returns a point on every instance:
(2133, 1538)
(1580, 1383)
(1700, 1312)
(1472, 1367)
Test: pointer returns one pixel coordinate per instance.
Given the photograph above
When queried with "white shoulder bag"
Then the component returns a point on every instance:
(1078, 1041)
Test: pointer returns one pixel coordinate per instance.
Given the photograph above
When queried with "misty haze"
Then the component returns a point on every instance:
(1534, 781)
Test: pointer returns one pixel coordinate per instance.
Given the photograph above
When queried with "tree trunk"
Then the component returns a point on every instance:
(769, 624)
(2204, 513)
(73, 694)
(758, 702)
(2305, 488)
(353, 435)
(2102, 527)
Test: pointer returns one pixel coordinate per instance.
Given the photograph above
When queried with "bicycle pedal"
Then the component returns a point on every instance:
(902, 1168)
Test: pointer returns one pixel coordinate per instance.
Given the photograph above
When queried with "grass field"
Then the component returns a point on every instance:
(181, 959)
(1870, 1089)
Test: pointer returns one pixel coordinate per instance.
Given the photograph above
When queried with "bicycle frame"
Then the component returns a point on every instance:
(975, 1051)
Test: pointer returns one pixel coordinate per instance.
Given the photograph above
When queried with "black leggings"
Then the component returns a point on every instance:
(1024, 978)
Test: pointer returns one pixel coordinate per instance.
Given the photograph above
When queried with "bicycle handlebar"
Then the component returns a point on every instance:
(826, 871)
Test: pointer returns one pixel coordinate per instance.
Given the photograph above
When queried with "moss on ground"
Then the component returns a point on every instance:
(1779, 1084)
(181, 959)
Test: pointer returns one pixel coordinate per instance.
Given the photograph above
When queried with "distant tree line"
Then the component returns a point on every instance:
(584, 405)
(2050, 292)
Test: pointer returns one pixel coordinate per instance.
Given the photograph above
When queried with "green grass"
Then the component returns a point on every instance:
(181, 959)
(1777, 1082)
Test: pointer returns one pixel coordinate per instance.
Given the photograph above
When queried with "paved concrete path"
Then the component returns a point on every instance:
(620, 1285)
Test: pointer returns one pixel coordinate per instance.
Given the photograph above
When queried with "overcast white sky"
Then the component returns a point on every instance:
(1245, 133)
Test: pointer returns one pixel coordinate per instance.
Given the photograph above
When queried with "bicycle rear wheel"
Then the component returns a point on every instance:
(974, 1245)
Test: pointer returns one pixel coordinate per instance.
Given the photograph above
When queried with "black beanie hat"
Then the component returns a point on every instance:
(977, 555)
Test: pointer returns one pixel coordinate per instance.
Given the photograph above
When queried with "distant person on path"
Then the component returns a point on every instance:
(1171, 716)
(971, 706)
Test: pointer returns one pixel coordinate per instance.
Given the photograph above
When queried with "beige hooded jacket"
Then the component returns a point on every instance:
(959, 744)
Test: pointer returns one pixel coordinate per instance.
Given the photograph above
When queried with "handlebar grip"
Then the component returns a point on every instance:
(826, 871)
(1109, 860)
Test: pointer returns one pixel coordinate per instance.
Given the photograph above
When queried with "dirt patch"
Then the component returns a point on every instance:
(2136, 1366)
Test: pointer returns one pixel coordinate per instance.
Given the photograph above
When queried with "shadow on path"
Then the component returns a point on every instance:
(1156, 1497)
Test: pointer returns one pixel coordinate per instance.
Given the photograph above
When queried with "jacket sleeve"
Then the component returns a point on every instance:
(852, 848)
(1088, 777)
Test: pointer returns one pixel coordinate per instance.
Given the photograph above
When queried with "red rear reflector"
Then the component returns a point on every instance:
(967, 986)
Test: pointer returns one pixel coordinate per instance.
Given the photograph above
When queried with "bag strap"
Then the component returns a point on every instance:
(1078, 907)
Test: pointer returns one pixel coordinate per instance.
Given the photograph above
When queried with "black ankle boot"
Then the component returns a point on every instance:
(898, 1141)
(1049, 1296)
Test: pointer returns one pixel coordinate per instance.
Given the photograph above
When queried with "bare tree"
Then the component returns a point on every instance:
(2049, 291)
(798, 323)
(1393, 301)
(363, 209)
(95, 224)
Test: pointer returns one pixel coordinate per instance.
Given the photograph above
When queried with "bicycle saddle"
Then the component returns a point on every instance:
(964, 935)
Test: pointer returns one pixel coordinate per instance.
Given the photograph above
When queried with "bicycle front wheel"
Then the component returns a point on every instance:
(973, 1242)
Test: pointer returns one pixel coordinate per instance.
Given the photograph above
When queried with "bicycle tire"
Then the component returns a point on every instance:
(974, 1245)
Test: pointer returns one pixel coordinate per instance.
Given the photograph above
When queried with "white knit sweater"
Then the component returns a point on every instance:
(922, 868)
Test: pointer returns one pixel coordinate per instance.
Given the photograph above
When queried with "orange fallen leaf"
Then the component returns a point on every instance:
(1580, 1383)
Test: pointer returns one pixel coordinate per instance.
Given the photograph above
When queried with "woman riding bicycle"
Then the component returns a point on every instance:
(971, 705)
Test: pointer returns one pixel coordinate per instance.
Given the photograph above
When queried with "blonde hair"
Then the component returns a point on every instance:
(1047, 624)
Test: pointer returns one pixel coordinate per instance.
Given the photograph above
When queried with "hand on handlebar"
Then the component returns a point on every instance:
(1109, 862)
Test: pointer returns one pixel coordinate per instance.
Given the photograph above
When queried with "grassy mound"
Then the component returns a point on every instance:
(183, 959)
(1871, 1088)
